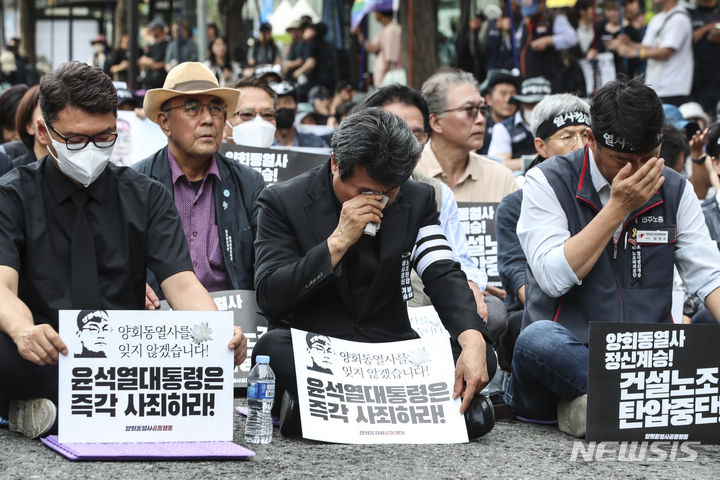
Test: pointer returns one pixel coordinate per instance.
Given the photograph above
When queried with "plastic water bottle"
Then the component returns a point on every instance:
(260, 396)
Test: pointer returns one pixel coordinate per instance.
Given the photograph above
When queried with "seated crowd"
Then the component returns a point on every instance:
(327, 250)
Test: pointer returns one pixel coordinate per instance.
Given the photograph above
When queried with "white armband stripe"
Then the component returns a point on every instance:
(433, 256)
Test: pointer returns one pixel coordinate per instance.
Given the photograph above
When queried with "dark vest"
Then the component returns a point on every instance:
(609, 293)
(523, 142)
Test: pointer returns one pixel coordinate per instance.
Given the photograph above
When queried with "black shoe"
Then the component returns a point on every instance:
(479, 417)
(290, 416)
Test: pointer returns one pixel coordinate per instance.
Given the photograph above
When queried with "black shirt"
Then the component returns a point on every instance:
(134, 222)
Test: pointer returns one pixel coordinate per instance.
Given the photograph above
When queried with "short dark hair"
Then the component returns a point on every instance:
(255, 82)
(713, 139)
(379, 141)
(24, 115)
(78, 85)
(628, 109)
(398, 94)
(9, 101)
(674, 143)
(344, 109)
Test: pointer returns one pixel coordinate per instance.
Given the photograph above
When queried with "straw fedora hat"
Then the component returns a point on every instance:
(187, 78)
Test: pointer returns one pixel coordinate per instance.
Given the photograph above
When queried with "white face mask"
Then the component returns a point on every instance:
(84, 166)
(255, 133)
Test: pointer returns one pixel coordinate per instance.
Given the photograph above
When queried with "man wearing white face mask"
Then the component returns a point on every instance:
(79, 233)
(252, 121)
(215, 196)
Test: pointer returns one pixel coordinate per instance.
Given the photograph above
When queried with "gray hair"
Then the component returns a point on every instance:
(435, 89)
(379, 141)
(554, 105)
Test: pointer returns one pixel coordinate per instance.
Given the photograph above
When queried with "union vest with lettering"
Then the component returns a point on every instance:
(623, 286)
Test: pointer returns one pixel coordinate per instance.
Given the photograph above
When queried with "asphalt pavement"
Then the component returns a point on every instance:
(511, 450)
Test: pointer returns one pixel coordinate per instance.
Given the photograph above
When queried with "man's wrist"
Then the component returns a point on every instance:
(699, 159)
(471, 338)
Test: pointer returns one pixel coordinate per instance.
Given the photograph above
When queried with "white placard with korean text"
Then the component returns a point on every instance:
(398, 392)
(426, 322)
(141, 376)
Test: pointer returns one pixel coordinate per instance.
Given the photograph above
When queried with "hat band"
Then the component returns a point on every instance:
(192, 85)
(552, 125)
(625, 145)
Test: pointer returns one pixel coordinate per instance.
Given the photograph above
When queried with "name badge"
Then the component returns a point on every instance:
(405, 285)
(652, 236)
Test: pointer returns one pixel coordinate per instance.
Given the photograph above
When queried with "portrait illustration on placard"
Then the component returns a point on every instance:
(93, 328)
(321, 353)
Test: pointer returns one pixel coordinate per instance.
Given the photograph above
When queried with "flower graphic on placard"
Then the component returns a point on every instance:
(201, 333)
(419, 357)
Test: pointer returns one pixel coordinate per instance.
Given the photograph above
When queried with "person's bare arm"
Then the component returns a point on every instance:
(712, 302)
(39, 344)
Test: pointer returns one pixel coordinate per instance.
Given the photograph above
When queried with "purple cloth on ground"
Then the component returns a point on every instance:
(149, 451)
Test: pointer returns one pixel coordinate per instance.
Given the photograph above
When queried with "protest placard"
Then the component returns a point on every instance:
(140, 376)
(275, 164)
(651, 382)
(477, 220)
(247, 316)
(426, 322)
(398, 392)
(598, 72)
(138, 138)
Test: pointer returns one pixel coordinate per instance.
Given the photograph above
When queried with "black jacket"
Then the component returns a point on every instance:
(297, 287)
(235, 211)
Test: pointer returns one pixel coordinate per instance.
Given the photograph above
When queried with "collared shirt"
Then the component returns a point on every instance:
(456, 237)
(197, 212)
(482, 181)
(134, 223)
(543, 231)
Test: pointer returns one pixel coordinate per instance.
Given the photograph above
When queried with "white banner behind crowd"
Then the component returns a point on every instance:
(399, 392)
(137, 139)
(133, 376)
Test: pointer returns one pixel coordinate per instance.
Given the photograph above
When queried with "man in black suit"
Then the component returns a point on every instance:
(317, 271)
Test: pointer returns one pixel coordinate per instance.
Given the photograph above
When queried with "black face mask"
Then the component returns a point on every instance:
(285, 117)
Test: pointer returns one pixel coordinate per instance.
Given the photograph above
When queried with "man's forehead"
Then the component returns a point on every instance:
(250, 96)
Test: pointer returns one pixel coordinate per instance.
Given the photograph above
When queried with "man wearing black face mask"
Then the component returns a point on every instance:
(286, 135)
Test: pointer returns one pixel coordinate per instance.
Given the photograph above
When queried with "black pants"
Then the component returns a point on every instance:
(22, 379)
(278, 345)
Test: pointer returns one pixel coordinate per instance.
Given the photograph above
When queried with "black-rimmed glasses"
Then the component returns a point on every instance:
(78, 142)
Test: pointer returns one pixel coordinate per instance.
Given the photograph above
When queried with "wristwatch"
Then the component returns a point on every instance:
(699, 160)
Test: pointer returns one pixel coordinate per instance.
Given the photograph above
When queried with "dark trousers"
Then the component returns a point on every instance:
(278, 345)
(22, 379)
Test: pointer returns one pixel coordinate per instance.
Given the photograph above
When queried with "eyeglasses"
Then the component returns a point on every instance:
(421, 136)
(247, 115)
(78, 142)
(570, 139)
(470, 110)
(192, 108)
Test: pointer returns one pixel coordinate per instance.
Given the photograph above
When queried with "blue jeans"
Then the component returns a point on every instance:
(549, 364)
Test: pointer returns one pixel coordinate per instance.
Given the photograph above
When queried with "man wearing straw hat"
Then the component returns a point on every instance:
(215, 196)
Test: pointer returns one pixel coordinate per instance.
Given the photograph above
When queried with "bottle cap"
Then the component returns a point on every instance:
(262, 359)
